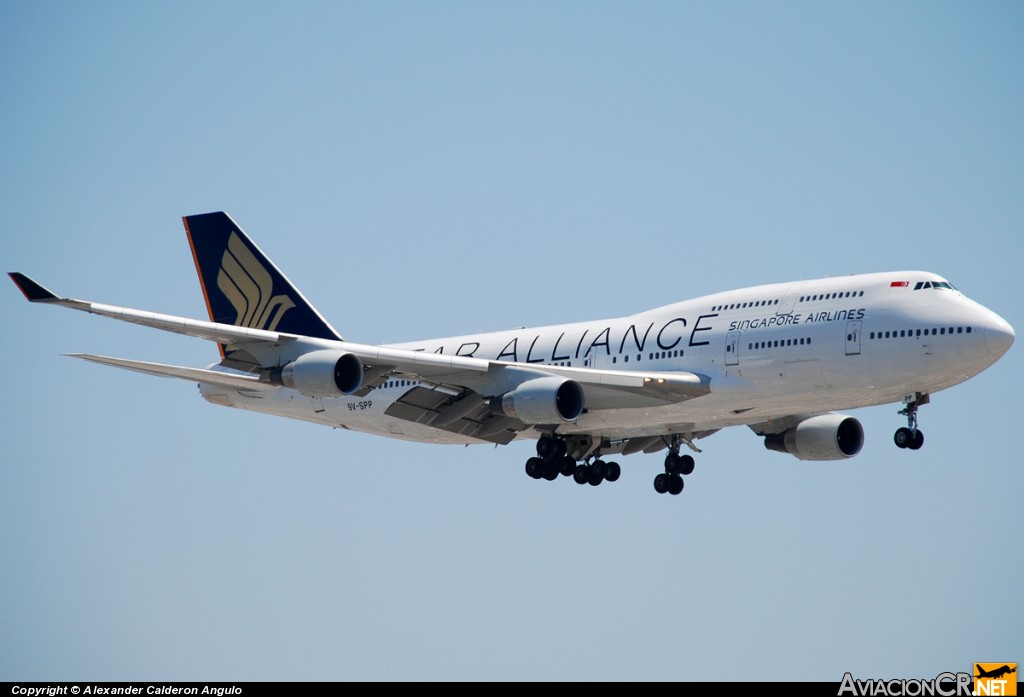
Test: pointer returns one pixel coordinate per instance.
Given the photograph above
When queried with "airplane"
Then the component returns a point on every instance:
(996, 673)
(779, 359)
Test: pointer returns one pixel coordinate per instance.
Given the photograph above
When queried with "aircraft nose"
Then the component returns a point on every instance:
(999, 336)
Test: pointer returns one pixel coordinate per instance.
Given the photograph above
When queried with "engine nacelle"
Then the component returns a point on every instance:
(323, 373)
(544, 401)
(825, 437)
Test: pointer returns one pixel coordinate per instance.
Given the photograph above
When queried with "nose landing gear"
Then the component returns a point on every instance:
(910, 436)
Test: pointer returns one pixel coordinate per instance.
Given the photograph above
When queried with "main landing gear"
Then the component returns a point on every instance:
(553, 460)
(676, 466)
(910, 436)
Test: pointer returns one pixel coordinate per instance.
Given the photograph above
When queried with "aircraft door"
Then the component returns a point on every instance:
(789, 299)
(732, 348)
(597, 358)
(853, 338)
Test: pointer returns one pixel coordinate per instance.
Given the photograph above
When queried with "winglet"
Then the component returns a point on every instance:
(32, 291)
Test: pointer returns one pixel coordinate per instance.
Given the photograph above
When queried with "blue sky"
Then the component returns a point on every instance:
(429, 169)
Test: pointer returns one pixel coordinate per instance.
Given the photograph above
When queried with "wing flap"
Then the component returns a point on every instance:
(423, 405)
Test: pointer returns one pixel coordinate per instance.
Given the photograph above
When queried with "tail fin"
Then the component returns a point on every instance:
(242, 286)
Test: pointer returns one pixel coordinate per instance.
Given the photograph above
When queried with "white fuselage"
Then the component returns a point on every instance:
(770, 351)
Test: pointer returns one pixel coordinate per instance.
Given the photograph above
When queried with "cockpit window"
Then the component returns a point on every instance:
(921, 285)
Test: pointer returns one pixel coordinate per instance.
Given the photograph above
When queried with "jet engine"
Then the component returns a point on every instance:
(825, 437)
(544, 401)
(324, 373)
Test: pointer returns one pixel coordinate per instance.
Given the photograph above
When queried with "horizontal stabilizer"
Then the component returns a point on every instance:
(212, 377)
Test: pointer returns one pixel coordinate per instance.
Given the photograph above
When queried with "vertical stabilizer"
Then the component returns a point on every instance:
(242, 286)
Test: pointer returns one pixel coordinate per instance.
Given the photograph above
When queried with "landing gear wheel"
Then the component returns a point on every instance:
(599, 468)
(675, 485)
(917, 442)
(904, 437)
(546, 447)
(551, 471)
(661, 483)
(595, 477)
(686, 464)
(581, 475)
(568, 466)
(535, 467)
(612, 475)
(671, 463)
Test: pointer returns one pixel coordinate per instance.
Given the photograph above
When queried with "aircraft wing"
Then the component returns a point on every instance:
(617, 389)
(603, 389)
(233, 381)
(212, 331)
